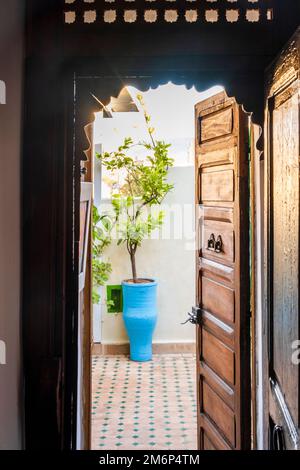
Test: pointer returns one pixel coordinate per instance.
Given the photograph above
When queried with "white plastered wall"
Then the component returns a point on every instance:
(170, 261)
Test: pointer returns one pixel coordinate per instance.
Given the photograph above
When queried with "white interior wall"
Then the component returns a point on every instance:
(11, 50)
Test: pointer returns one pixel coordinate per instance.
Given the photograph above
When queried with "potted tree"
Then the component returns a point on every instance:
(145, 185)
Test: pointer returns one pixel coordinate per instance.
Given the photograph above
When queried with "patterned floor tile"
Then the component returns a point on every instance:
(146, 406)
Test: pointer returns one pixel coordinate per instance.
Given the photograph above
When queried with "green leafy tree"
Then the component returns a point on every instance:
(101, 233)
(145, 185)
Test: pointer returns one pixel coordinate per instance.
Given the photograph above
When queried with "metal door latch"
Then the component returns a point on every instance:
(194, 317)
(219, 244)
(215, 245)
(211, 243)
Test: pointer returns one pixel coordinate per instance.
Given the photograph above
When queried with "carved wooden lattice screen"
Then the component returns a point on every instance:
(168, 11)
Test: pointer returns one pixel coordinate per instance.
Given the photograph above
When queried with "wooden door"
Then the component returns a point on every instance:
(222, 200)
(83, 431)
(282, 248)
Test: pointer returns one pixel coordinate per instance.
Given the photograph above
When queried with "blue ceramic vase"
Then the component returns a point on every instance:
(140, 316)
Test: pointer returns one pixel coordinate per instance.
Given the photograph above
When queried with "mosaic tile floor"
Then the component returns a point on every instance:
(150, 405)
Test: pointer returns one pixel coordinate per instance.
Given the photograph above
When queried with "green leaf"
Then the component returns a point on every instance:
(95, 297)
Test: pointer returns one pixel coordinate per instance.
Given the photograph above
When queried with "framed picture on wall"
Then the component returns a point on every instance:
(85, 219)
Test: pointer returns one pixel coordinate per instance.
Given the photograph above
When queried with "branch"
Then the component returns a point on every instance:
(145, 203)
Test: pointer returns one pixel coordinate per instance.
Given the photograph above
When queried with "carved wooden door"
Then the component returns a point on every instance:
(282, 248)
(83, 431)
(223, 362)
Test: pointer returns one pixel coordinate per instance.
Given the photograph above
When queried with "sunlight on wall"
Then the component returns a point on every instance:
(171, 108)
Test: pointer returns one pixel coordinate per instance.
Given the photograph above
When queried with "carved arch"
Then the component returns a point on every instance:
(109, 90)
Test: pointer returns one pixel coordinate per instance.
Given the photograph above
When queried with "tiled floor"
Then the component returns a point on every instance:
(150, 405)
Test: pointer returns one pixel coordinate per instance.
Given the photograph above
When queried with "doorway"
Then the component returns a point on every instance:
(150, 405)
(234, 152)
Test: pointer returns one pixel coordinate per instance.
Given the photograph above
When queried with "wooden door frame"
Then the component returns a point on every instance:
(277, 79)
(257, 218)
(68, 172)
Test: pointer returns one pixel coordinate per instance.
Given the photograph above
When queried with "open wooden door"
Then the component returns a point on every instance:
(282, 249)
(223, 308)
(84, 320)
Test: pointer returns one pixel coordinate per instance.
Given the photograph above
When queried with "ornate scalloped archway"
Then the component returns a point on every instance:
(110, 90)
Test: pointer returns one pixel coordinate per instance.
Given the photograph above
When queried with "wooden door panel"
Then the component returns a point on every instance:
(221, 214)
(215, 229)
(286, 245)
(217, 222)
(282, 241)
(217, 185)
(207, 444)
(223, 274)
(218, 299)
(218, 328)
(210, 438)
(218, 356)
(216, 271)
(218, 412)
(216, 125)
(225, 392)
(218, 156)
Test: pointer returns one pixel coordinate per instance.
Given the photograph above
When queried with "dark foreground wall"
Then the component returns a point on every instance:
(11, 44)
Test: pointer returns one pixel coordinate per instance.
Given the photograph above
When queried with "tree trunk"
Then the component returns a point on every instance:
(133, 265)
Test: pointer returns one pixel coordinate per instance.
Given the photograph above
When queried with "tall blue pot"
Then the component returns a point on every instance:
(140, 316)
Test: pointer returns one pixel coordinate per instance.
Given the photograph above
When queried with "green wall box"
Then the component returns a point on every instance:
(114, 293)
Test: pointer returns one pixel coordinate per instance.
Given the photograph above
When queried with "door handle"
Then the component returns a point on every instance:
(278, 441)
(219, 245)
(215, 245)
(194, 316)
(211, 242)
